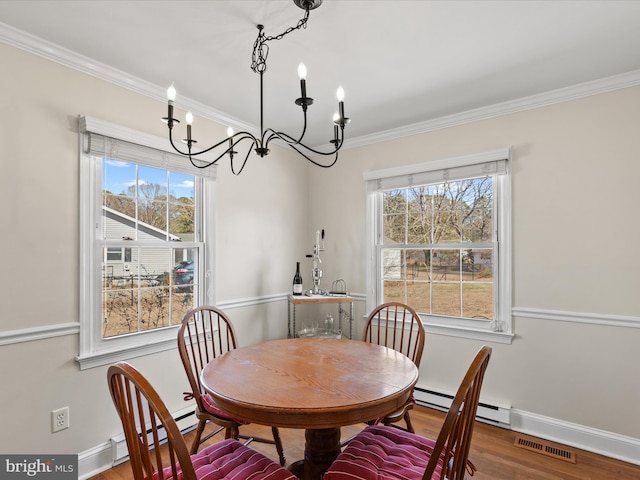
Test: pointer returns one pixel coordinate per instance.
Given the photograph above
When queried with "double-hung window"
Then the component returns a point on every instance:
(440, 241)
(146, 226)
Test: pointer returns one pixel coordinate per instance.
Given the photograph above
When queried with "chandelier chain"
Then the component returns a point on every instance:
(261, 49)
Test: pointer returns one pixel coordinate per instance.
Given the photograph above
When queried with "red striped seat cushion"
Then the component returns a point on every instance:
(231, 460)
(380, 452)
(213, 409)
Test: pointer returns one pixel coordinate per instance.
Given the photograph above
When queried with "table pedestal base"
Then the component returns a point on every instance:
(322, 447)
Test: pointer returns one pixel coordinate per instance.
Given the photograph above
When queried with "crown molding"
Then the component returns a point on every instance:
(68, 58)
(38, 46)
(595, 87)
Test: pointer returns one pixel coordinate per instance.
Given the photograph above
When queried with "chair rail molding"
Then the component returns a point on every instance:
(8, 337)
(578, 317)
(38, 333)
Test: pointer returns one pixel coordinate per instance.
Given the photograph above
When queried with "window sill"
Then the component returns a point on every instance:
(97, 359)
(471, 333)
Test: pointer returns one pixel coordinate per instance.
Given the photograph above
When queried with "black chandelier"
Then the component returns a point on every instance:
(260, 145)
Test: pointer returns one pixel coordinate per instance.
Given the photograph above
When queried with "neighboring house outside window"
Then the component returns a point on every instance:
(146, 242)
(439, 240)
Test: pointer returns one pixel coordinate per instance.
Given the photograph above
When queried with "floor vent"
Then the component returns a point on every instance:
(545, 448)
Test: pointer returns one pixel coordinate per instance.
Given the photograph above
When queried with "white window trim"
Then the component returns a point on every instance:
(93, 353)
(503, 325)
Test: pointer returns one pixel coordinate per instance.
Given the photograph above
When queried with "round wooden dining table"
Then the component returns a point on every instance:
(319, 384)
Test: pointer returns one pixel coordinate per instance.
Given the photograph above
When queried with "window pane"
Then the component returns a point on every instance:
(477, 300)
(181, 185)
(393, 291)
(446, 299)
(119, 178)
(113, 268)
(184, 270)
(182, 205)
(118, 200)
(394, 216)
(183, 301)
(155, 263)
(477, 225)
(418, 264)
(154, 308)
(419, 296)
(445, 265)
(420, 216)
(152, 183)
(119, 311)
(137, 295)
(447, 226)
(181, 219)
(394, 201)
(394, 228)
(393, 264)
(477, 265)
(152, 216)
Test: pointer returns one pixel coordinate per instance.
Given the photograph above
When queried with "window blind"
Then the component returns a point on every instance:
(438, 171)
(146, 150)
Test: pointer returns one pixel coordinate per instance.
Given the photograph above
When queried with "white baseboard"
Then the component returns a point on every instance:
(590, 439)
(102, 457)
(94, 461)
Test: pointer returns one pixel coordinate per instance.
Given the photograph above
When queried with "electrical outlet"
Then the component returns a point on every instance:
(59, 419)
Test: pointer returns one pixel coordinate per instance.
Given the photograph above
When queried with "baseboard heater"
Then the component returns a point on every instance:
(492, 414)
(186, 420)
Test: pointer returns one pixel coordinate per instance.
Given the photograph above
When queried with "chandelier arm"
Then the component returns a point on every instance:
(242, 136)
(292, 142)
(284, 137)
(259, 144)
(318, 164)
(203, 163)
(244, 162)
(281, 135)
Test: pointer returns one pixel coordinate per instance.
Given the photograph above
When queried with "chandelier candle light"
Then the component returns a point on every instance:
(260, 145)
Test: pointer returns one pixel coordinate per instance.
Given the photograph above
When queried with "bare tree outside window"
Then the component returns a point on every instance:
(438, 248)
(150, 211)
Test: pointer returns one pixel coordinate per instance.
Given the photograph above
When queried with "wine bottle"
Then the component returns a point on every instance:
(297, 281)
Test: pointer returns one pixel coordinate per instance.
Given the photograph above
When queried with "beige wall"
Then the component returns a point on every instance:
(575, 171)
(261, 232)
(575, 234)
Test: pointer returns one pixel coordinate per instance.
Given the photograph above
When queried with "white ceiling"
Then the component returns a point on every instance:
(400, 62)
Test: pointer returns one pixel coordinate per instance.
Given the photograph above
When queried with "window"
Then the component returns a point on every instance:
(440, 242)
(146, 256)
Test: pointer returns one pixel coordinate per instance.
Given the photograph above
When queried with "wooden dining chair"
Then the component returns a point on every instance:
(205, 334)
(157, 449)
(398, 326)
(380, 451)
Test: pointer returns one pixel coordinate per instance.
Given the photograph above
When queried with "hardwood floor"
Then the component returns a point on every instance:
(492, 451)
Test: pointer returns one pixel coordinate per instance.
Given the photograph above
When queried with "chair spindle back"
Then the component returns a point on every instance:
(144, 415)
(454, 439)
(398, 326)
(206, 333)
